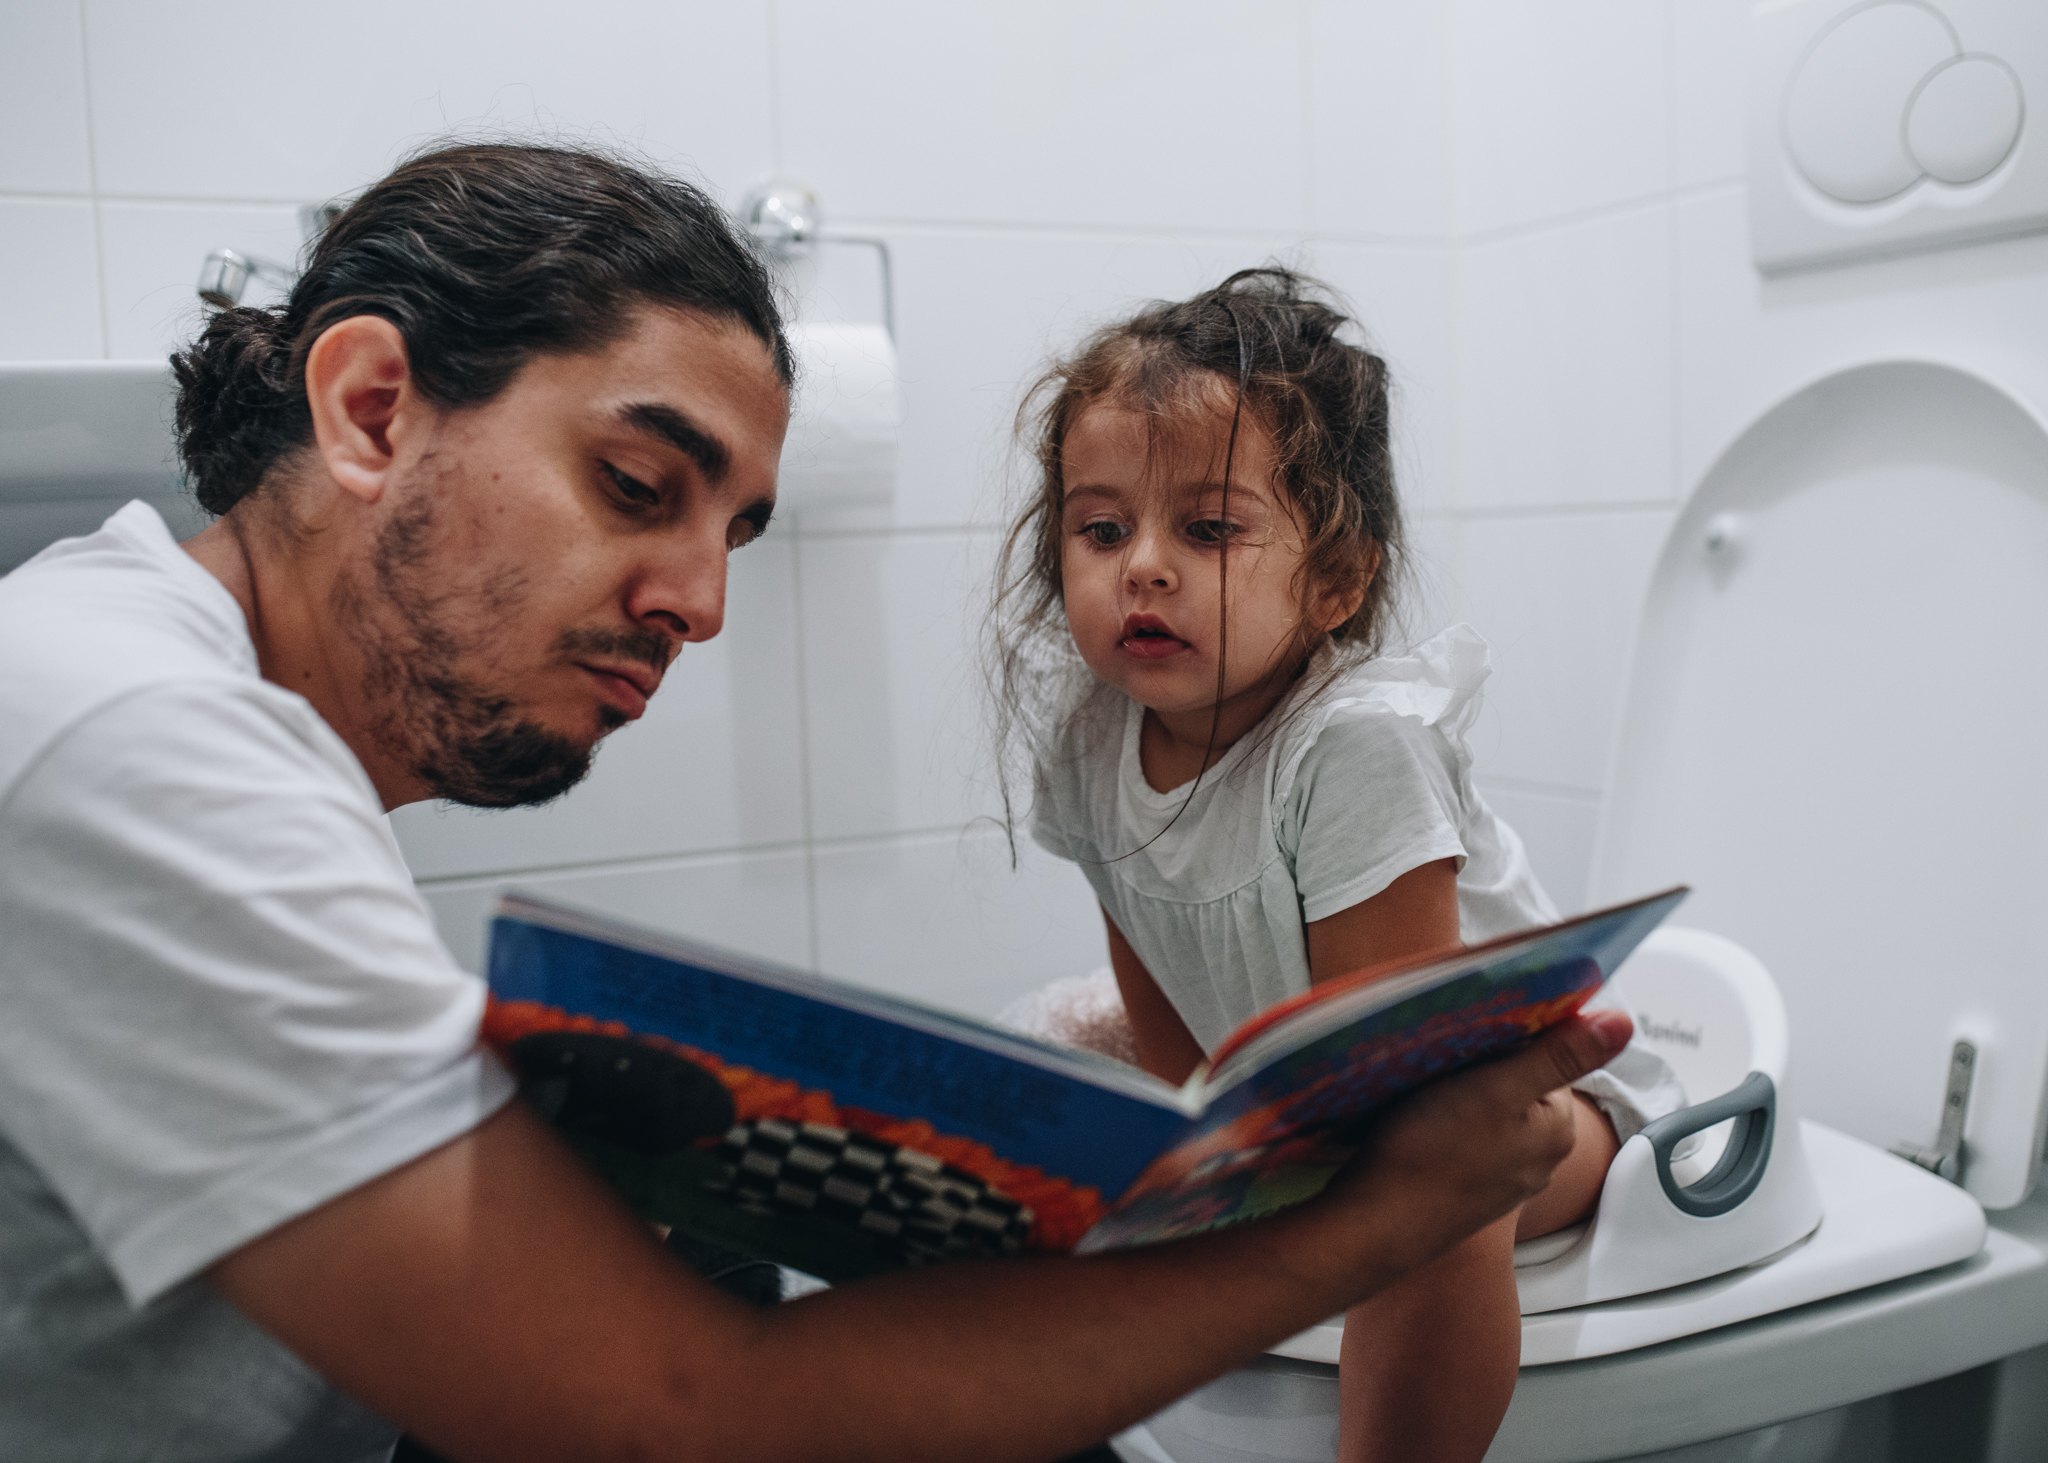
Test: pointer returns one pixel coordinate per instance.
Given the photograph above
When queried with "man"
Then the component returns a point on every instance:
(260, 1192)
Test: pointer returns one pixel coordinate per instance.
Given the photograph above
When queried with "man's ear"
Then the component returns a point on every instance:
(359, 387)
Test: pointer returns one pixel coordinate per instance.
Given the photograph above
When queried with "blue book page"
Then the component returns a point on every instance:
(1031, 1106)
(1277, 1133)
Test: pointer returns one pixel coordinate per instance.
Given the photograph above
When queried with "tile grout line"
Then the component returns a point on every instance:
(92, 173)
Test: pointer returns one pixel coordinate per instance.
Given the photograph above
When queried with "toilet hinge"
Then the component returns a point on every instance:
(1946, 1156)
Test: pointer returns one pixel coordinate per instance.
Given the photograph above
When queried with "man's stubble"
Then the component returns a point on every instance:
(467, 741)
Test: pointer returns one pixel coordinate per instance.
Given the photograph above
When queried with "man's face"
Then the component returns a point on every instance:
(548, 553)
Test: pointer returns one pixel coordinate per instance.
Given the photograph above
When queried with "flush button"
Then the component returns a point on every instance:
(1965, 119)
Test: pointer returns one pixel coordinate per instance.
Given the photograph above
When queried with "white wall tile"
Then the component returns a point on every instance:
(1380, 129)
(1433, 597)
(756, 904)
(1708, 87)
(946, 920)
(893, 694)
(1158, 114)
(49, 281)
(1560, 106)
(1406, 300)
(153, 252)
(197, 99)
(1557, 830)
(43, 137)
(714, 764)
(1565, 346)
(1557, 596)
(1746, 342)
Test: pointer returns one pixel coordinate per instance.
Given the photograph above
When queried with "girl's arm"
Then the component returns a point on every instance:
(1414, 915)
(1166, 1048)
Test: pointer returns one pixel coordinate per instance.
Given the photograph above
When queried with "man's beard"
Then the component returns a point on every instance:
(467, 742)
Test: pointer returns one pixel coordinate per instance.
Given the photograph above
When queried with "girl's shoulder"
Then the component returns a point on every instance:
(1436, 685)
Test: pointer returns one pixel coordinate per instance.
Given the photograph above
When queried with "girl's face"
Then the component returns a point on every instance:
(1143, 525)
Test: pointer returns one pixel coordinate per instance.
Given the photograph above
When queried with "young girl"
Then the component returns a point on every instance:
(1188, 616)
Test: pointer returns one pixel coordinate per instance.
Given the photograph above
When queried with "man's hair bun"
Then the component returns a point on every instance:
(237, 409)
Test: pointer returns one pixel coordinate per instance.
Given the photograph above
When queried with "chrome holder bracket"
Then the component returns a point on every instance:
(1946, 1156)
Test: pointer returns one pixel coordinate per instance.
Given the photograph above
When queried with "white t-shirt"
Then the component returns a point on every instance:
(1349, 783)
(225, 1005)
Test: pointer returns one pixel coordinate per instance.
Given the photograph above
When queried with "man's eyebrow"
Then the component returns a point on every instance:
(701, 447)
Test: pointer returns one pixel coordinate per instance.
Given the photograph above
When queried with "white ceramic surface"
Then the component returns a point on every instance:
(945, 919)
(750, 903)
(49, 280)
(1562, 108)
(1382, 156)
(1000, 114)
(1556, 598)
(316, 108)
(42, 100)
(1565, 353)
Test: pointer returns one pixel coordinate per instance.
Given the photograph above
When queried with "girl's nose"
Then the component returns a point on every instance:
(1148, 566)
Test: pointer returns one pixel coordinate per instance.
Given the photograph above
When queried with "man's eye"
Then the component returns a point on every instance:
(1103, 535)
(632, 489)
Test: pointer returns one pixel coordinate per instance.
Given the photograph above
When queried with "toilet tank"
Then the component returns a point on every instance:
(1836, 730)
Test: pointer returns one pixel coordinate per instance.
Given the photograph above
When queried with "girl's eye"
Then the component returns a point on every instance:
(1104, 535)
(636, 493)
(1210, 530)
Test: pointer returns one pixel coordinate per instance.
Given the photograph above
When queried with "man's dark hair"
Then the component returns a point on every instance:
(483, 256)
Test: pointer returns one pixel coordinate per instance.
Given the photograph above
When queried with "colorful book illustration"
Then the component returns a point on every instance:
(843, 1132)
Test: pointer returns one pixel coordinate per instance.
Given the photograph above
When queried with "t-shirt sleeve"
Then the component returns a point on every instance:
(1374, 796)
(226, 1004)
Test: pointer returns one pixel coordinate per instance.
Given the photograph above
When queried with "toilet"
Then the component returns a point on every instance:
(1834, 731)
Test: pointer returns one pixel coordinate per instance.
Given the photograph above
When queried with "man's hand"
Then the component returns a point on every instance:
(1464, 1151)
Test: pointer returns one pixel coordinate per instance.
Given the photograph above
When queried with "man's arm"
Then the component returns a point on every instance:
(495, 1299)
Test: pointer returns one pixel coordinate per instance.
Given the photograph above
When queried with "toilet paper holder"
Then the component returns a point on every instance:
(785, 219)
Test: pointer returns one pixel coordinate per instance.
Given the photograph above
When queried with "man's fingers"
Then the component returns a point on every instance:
(1571, 1049)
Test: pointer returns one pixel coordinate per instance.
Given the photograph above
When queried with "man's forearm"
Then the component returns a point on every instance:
(918, 1361)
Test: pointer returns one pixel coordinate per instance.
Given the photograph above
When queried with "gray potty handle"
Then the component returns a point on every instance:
(1754, 1106)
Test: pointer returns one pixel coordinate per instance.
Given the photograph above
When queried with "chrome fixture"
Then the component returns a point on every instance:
(786, 223)
(225, 276)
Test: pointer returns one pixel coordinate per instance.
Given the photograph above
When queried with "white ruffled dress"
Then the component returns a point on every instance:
(1359, 776)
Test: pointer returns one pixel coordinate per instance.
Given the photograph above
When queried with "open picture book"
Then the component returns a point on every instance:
(841, 1131)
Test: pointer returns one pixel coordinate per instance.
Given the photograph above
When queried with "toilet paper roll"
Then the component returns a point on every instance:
(841, 448)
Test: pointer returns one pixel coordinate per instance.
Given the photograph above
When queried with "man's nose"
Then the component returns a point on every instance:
(682, 592)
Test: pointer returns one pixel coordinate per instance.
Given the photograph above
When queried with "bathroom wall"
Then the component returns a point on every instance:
(1538, 209)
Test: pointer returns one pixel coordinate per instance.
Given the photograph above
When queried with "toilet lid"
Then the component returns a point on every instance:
(1836, 730)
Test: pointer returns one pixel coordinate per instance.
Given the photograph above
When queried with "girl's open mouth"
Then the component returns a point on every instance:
(1147, 637)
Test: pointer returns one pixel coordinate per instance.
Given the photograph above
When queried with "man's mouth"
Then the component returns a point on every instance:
(1149, 638)
(625, 687)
